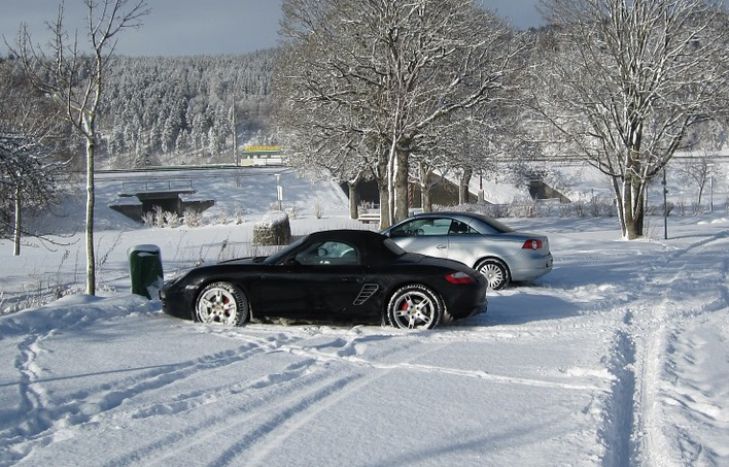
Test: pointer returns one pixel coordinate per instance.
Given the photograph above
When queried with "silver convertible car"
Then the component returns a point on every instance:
(497, 251)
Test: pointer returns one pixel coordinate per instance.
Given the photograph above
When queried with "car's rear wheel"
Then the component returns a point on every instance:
(495, 272)
(221, 303)
(415, 306)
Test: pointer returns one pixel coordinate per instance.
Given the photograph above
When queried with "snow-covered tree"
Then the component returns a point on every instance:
(626, 80)
(698, 170)
(75, 80)
(26, 181)
(28, 132)
(394, 68)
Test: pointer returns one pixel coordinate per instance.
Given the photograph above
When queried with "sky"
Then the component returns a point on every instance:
(194, 27)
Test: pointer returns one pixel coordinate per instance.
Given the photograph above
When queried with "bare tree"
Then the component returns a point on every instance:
(76, 81)
(396, 68)
(698, 170)
(26, 180)
(625, 81)
(27, 125)
(333, 150)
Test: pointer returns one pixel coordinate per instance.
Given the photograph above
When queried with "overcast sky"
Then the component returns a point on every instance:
(192, 27)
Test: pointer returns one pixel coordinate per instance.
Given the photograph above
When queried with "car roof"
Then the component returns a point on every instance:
(455, 214)
(475, 216)
(344, 234)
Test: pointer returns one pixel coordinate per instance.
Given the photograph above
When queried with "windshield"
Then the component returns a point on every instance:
(277, 257)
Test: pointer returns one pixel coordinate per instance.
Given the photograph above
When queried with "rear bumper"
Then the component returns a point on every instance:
(531, 268)
(468, 303)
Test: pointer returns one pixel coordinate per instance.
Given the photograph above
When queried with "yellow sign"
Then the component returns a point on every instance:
(261, 148)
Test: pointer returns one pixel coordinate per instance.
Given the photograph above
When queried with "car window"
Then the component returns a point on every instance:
(422, 228)
(495, 225)
(331, 252)
(276, 257)
(461, 228)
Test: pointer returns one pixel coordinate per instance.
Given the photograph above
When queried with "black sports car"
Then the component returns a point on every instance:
(334, 275)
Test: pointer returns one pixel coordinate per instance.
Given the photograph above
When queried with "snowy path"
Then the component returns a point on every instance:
(618, 357)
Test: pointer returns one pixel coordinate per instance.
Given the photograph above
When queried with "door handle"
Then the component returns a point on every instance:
(441, 247)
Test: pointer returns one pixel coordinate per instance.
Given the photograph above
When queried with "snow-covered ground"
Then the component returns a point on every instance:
(618, 357)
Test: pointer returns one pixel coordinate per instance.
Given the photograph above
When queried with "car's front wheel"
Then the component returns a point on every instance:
(415, 306)
(221, 303)
(495, 272)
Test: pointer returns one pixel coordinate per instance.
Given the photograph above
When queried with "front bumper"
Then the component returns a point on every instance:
(175, 303)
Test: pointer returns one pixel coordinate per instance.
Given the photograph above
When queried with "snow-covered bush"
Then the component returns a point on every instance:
(192, 218)
(148, 219)
(273, 229)
(159, 216)
(171, 219)
(317, 209)
(239, 216)
(539, 208)
(292, 212)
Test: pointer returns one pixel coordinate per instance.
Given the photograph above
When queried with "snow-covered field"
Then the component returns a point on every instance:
(618, 357)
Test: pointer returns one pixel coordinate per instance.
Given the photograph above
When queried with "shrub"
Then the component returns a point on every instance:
(159, 216)
(273, 229)
(171, 219)
(148, 219)
(192, 218)
(317, 209)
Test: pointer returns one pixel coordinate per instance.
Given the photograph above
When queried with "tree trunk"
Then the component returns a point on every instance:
(18, 219)
(353, 200)
(630, 203)
(426, 203)
(384, 204)
(463, 183)
(639, 209)
(401, 186)
(381, 177)
(90, 256)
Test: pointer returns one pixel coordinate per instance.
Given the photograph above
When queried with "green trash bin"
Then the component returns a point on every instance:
(145, 268)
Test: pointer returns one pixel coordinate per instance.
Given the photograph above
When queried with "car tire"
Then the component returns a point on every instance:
(221, 303)
(415, 306)
(496, 273)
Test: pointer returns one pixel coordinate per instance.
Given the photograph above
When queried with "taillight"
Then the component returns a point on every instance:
(532, 244)
(459, 278)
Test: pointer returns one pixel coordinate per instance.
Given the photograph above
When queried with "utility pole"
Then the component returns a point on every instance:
(711, 187)
(279, 192)
(234, 124)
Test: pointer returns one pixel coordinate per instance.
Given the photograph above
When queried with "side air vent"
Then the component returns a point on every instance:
(367, 291)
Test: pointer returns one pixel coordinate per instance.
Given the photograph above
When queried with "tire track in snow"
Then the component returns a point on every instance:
(281, 426)
(651, 445)
(345, 356)
(311, 405)
(618, 417)
(309, 378)
(41, 426)
(241, 404)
